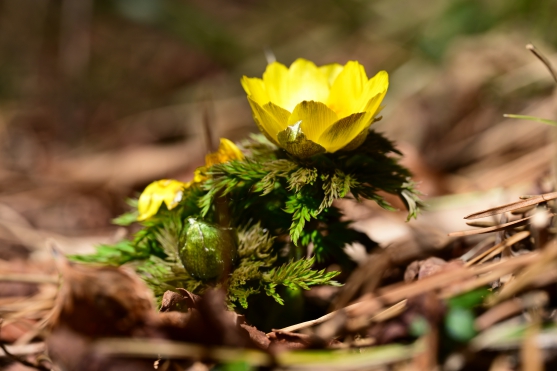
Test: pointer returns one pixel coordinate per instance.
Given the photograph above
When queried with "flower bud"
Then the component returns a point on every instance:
(210, 250)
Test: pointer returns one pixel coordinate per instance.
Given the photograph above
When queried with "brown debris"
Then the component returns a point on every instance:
(181, 301)
(291, 340)
(211, 323)
(420, 269)
(101, 302)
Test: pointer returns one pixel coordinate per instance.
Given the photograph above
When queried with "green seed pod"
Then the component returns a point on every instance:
(210, 250)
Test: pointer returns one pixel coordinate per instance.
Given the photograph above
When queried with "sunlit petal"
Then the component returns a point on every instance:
(331, 71)
(342, 132)
(305, 83)
(200, 174)
(168, 191)
(280, 114)
(373, 106)
(227, 152)
(265, 121)
(315, 118)
(255, 89)
(376, 86)
(347, 90)
(275, 79)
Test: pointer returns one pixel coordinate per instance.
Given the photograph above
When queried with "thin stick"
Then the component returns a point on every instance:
(532, 200)
(543, 59)
(384, 315)
(307, 324)
(495, 228)
(499, 247)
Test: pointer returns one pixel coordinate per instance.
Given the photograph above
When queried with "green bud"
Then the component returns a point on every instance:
(210, 250)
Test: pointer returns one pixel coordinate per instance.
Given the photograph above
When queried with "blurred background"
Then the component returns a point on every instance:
(100, 97)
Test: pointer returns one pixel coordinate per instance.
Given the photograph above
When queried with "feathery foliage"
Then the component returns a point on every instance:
(296, 275)
(280, 205)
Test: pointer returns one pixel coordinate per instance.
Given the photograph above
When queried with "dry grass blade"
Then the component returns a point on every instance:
(543, 59)
(513, 206)
(458, 288)
(495, 228)
(390, 312)
(392, 294)
(509, 308)
(539, 273)
(307, 324)
(386, 314)
(478, 248)
(481, 224)
(490, 253)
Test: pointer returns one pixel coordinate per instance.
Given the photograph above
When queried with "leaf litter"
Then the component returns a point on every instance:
(416, 302)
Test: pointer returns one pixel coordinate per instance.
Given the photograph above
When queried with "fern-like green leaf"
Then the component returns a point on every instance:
(297, 275)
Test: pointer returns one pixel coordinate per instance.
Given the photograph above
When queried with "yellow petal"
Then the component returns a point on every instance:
(342, 132)
(306, 83)
(302, 81)
(315, 118)
(267, 122)
(331, 71)
(168, 191)
(200, 174)
(374, 92)
(280, 114)
(357, 141)
(373, 107)
(346, 91)
(275, 79)
(293, 140)
(230, 149)
(227, 152)
(255, 89)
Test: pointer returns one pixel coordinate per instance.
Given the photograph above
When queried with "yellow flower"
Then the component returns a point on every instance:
(308, 110)
(227, 152)
(170, 191)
